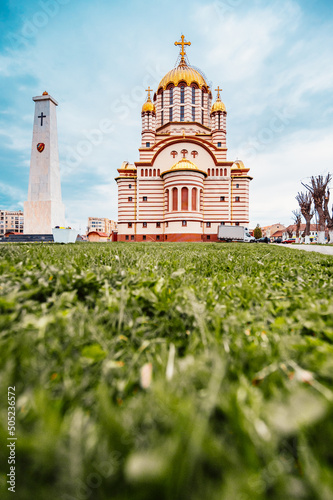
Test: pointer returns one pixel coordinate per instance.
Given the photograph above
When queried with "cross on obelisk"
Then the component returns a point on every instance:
(218, 90)
(41, 118)
(182, 52)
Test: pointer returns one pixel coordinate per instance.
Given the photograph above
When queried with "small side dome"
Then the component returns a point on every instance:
(218, 106)
(184, 164)
(148, 107)
(238, 165)
(45, 93)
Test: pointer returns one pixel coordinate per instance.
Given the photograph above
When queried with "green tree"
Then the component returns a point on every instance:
(257, 233)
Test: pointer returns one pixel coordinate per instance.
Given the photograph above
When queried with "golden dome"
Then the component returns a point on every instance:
(148, 107)
(184, 164)
(45, 93)
(183, 73)
(238, 165)
(127, 166)
(218, 106)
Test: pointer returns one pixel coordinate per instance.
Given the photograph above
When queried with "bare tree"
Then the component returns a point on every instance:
(305, 203)
(290, 230)
(329, 218)
(297, 219)
(317, 188)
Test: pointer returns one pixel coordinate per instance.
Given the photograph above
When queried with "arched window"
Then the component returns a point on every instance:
(209, 171)
(170, 114)
(162, 99)
(162, 117)
(171, 95)
(221, 171)
(194, 199)
(202, 99)
(182, 94)
(154, 172)
(142, 172)
(146, 172)
(174, 199)
(201, 200)
(167, 200)
(193, 95)
(184, 198)
(225, 172)
(150, 172)
(158, 171)
(219, 125)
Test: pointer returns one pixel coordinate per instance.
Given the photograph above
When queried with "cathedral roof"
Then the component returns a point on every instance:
(218, 106)
(239, 167)
(184, 164)
(183, 73)
(148, 107)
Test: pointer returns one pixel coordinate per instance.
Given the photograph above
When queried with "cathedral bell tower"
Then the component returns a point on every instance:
(218, 116)
(148, 122)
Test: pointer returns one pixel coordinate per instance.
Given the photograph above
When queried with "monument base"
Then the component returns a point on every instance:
(41, 216)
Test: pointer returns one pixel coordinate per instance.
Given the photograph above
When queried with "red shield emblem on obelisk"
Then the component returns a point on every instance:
(40, 147)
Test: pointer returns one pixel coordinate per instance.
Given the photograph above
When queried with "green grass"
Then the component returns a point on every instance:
(239, 341)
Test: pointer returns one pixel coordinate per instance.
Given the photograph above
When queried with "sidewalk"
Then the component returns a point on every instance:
(326, 250)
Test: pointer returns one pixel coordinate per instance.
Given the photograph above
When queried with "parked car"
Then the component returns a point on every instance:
(263, 240)
(278, 240)
(291, 240)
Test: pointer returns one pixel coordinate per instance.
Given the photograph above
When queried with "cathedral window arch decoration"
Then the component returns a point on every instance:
(174, 199)
(193, 95)
(146, 172)
(225, 172)
(167, 199)
(194, 199)
(150, 172)
(184, 198)
(142, 172)
(221, 172)
(154, 172)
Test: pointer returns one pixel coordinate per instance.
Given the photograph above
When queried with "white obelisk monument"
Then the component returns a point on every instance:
(44, 209)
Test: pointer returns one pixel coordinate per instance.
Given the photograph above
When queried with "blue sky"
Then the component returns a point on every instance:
(273, 60)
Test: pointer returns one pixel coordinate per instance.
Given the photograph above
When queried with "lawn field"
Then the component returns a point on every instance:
(167, 372)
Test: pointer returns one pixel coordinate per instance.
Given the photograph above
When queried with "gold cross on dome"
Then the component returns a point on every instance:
(218, 90)
(183, 43)
(149, 90)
